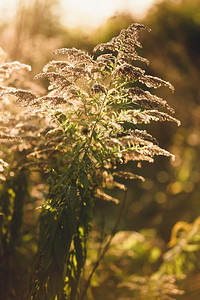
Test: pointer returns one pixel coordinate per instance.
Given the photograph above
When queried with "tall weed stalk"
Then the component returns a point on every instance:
(90, 122)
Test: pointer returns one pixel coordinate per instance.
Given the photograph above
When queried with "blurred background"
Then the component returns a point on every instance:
(29, 32)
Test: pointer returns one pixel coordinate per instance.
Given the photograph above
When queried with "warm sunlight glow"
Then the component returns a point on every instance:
(92, 13)
(87, 14)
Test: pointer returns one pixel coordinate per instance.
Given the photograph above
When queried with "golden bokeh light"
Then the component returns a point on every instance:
(92, 13)
(87, 14)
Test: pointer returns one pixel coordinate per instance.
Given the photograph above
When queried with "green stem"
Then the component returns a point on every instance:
(106, 247)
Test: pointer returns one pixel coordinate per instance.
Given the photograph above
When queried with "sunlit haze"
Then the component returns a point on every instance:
(88, 14)
(92, 13)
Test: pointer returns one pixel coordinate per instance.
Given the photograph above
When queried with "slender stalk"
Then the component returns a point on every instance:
(106, 247)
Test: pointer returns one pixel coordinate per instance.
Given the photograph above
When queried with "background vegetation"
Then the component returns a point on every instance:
(158, 236)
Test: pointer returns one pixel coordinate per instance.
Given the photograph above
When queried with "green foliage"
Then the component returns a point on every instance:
(89, 123)
(14, 264)
(137, 266)
(184, 253)
(132, 269)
